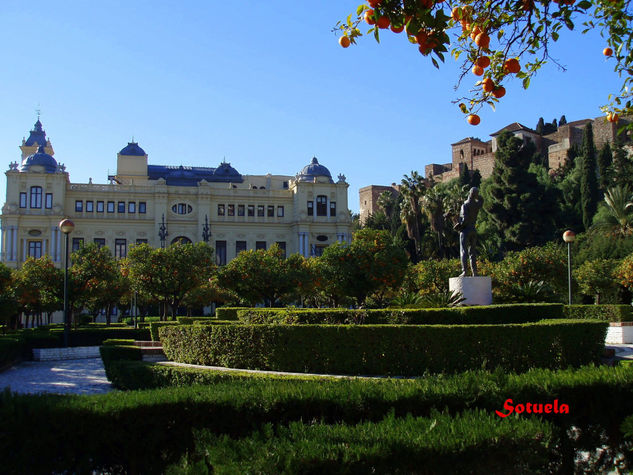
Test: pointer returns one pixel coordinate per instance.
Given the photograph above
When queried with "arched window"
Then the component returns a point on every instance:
(321, 205)
(36, 197)
(181, 240)
(181, 208)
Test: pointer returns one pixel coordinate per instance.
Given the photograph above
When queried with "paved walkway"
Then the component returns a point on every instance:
(85, 376)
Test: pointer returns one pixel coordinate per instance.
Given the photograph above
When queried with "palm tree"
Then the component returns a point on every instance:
(412, 189)
(616, 213)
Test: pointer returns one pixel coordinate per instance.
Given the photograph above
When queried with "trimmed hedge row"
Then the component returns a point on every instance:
(388, 350)
(489, 314)
(611, 313)
(192, 320)
(227, 313)
(10, 351)
(154, 326)
(158, 424)
(472, 442)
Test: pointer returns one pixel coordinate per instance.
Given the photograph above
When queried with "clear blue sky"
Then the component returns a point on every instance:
(264, 84)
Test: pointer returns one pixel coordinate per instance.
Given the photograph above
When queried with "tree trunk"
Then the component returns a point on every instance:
(108, 316)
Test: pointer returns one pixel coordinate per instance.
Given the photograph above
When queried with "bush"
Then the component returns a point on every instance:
(596, 279)
(432, 275)
(227, 313)
(610, 313)
(192, 320)
(114, 353)
(154, 326)
(10, 351)
(491, 314)
(387, 350)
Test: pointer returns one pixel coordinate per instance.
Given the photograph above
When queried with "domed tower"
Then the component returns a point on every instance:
(315, 173)
(132, 165)
(37, 138)
(40, 161)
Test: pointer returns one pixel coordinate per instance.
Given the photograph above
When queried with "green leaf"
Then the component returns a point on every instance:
(360, 9)
(435, 63)
(585, 5)
(555, 36)
(526, 82)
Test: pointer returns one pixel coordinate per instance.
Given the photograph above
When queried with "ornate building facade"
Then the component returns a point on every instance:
(159, 205)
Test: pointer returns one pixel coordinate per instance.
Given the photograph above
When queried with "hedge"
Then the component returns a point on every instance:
(112, 352)
(472, 442)
(10, 351)
(227, 313)
(143, 431)
(490, 314)
(611, 313)
(154, 326)
(192, 320)
(387, 349)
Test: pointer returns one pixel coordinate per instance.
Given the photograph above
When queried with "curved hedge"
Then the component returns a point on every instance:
(388, 350)
(610, 313)
(488, 314)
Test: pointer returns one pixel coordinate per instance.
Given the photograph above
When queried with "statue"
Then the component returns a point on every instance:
(467, 233)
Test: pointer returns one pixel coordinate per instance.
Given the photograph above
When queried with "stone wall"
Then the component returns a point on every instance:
(369, 198)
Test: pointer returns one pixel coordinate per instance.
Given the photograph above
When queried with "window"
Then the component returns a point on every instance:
(77, 243)
(36, 197)
(260, 210)
(99, 206)
(48, 201)
(79, 206)
(271, 211)
(121, 207)
(318, 251)
(131, 207)
(35, 249)
(220, 253)
(282, 246)
(23, 200)
(332, 208)
(120, 248)
(280, 211)
(251, 210)
(239, 247)
(181, 208)
(220, 210)
(285, 185)
(321, 203)
(260, 245)
(110, 206)
(142, 207)
(100, 242)
(240, 210)
(231, 210)
(310, 208)
(141, 241)
(90, 206)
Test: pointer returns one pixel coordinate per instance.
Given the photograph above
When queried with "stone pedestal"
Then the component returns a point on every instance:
(476, 290)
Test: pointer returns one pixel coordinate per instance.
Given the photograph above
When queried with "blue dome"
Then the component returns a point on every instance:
(313, 170)
(225, 170)
(42, 159)
(37, 135)
(132, 149)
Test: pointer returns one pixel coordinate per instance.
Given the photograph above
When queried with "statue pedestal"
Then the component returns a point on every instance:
(476, 290)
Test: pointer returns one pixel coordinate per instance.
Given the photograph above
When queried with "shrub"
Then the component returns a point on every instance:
(432, 275)
(624, 272)
(154, 326)
(10, 351)
(227, 313)
(387, 350)
(113, 353)
(596, 279)
(611, 313)
(192, 320)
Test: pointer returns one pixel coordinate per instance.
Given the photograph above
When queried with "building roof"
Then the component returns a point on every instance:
(132, 149)
(40, 158)
(513, 127)
(576, 123)
(191, 176)
(313, 170)
(468, 139)
(37, 136)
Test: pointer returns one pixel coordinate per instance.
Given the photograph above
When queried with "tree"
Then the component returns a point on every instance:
(464, 176)
(604, 166)
(621, 167)
(38, 288)
(596, 278)
(615, 215)
(562, 121)
(515, 36)
(412, 189)
(540, 126)
(589, 193)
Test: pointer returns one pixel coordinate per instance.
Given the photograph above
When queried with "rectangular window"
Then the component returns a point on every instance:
(271, 211)
(282, 246)
(121, 207)
(48, 202)
(260, 245)
(23, 200)
(142, 207)
(79, 206)
(77, 243)
(310, 208)
(239, 247)
(332, 208)
(90, 206)
(318, 251)
(36, 197)
(220, 253)
(251, 210)
(141, 241)
(321, 203)
(231, 210)
(131, 207)
(110, 206)
(99, 206)
(120, 248)
(240, 210)
(35, 249)
(260, 211)
(285, 185)
(100, 242)
(220, 210)
(280, 211)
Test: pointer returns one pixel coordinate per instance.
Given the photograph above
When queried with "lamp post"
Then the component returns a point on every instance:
(569, 236)
(66, 226)
(162, 232)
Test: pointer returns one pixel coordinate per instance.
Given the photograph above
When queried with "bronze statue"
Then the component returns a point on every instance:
(467, 233)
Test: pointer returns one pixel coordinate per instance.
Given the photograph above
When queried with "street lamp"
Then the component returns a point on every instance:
(66, 226)
(569, 236)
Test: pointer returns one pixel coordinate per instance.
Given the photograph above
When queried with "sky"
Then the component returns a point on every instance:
(264, 85)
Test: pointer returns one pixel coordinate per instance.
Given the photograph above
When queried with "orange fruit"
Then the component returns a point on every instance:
(477, 71)
(512, 66)
(397, 29)
(456, 13)
(374, 3)
(488, 85)
(482, 40)
(607, 51)
(527, 5)
(369, 17)
(344, 41)
(424, 50)
(421, 37)
(473, 119)
(483, 62)
(426, 3)
(499, 92)
(475, 31)
(383, 22)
